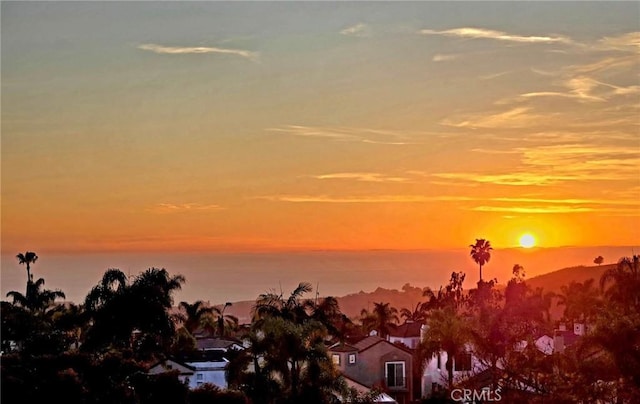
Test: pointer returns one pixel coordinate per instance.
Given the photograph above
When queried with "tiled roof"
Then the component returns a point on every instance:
(367, 342)
(342, 347)
(215, 343)
(407, 330)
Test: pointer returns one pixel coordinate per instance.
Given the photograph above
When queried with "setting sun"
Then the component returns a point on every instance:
(527, 241)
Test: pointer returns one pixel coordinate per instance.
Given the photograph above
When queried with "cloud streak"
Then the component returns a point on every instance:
(183, 207)
(481, 33)
(344, 134)
(185, 50)
(360, 30)
(516, 117)
(365, 177)
(361, 199)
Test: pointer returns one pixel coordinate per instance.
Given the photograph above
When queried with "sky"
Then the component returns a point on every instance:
(264, 126)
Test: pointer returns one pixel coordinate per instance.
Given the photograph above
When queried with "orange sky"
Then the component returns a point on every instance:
(167, 127)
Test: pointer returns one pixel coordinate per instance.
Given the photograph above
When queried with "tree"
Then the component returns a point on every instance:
(621, 284)
(27, 258)
(225, 321)
(327, 311)
(598, 260)
(193, 315)
(481, 252)
(118, 308)
(386, 318)
(581, 301)
(36, 299)
(292, 308)
(447, 332)
(447, 328)
(288, 352)
(415, 315)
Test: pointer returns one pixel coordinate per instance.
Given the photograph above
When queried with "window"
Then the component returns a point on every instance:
(336, 359)
(199, 376)
(462, 362)
(394, 374)
(352, 358)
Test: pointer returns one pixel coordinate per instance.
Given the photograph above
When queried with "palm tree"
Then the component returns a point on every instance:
(447, 332)
(288, 349)
(118, 307)
(36, 298)
(225, 321)
(386, 317)
(621, 284)
(580, 300)
(367, 321)
(481, 253)
(193, 315)
(292, 308)
(415, 315)
(114, 282)
(27, 258)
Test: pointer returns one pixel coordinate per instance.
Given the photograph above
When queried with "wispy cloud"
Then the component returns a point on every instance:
(544, 165)
(182, 50)
(361, 199)
(365, 177)
(359, 30)
(560, 205)
(516, 117)
(585, 88)
(498, 204)
(569, 201)
(444, 57)
(494, 75)
(481, 33)
(625, 42)
(345, 134)
(183, 207)
(515, 179)
(535, 209)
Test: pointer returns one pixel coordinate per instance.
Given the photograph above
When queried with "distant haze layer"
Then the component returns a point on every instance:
(220, 277)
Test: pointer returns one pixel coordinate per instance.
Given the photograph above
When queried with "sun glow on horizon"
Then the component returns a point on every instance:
(527, 240)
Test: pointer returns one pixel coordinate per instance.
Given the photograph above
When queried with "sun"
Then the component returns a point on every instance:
(527, 240)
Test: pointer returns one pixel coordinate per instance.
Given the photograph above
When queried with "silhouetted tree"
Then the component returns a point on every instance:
(193, 315)
(481, 253)
(415, 315)
(27, 258)
(621, 284)
(448, 327)
(288, 352)
(118, 308)
(581, 301)
(37, 299)
(598, 260)
(386, 318)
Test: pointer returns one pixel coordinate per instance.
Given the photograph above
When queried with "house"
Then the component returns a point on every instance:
(435, 375)
(376, 362)
(408, 334)
(195, 371)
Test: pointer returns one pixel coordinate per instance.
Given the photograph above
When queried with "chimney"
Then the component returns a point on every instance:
(562, 327)
(579, 328)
